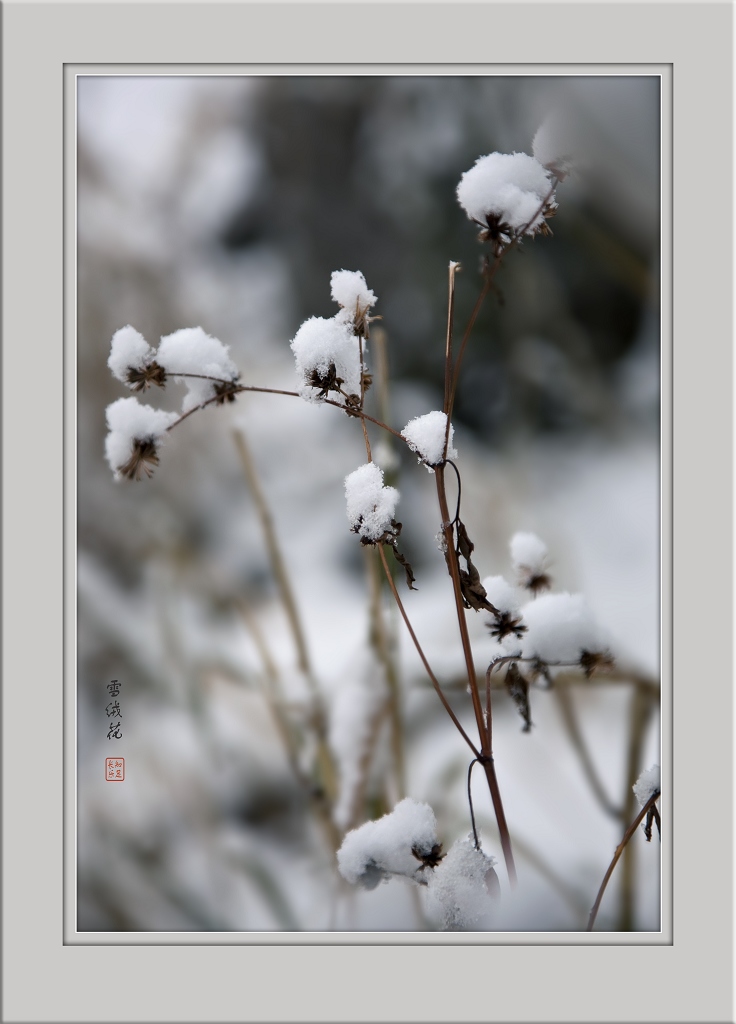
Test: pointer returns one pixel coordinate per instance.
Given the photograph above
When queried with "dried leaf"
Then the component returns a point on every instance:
(518, 687)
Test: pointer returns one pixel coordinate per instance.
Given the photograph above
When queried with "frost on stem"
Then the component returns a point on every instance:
(191, 351)
(529, 558)
(507, 194)
(136, 432)
(403, 842)
(132, 360)
(370, 504)
(425, 435)
(327, 359)
(463, 887)
(352, 294)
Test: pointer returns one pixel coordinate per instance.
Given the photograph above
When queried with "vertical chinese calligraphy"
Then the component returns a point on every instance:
(114, 712)
(114, 766)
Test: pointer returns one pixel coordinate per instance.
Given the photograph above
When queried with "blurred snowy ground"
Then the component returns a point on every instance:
(226, 203)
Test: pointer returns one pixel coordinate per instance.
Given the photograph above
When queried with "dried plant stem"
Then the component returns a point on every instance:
(381, 642)
(327, 768)
(422, 655)
(366, 439)
(276, 558)
(483, 723)
(574, 734)
(619, 850)
(274, 699)
(639, 715)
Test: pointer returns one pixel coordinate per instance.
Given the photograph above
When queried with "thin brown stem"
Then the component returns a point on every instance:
(619, 850)
(381, 641)
(489, 276)
(483, 724)
(362, 400)
(422, 655)
(460, 607)
(453, 268)
(574, 733)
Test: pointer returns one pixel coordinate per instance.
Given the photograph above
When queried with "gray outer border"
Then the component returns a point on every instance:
(688, 980)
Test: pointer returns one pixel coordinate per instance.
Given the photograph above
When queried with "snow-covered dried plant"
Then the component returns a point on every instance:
(535, 632)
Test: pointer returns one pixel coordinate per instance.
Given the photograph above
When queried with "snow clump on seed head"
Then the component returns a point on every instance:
(507, 193)
(370, 504)
(130, 354)
(136, 432)
(463, 887)
(529, 558)
(349, 290)
(425, 435)
(378, 849)
(560, 628)
(192, 351)
(501, 594)
(326, 354)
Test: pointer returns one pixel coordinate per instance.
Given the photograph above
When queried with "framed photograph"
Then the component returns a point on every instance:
(370, 455)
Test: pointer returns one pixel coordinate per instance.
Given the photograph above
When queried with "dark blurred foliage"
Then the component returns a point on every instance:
(361, 172)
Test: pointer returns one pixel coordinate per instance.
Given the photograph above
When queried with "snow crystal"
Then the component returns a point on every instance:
(648, 783)
(509, 187)
(501, 594)
(349, 290)
(378, 849)
(462, 887)
(324, 351)
(528, 553)
(370, 504)
(192, 351)
(129, 421)
(129, 351)
(560, 627)
(425, 435)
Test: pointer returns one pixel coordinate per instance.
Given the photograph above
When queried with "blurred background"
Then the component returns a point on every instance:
(269, 697)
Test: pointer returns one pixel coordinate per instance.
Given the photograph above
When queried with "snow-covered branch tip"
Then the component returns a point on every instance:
(508, 195)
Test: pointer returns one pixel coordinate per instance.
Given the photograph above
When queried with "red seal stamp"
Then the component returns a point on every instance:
(114, 769)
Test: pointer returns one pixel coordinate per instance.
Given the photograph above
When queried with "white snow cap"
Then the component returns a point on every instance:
(462, 887)
(129, 351)
(425, 435)
(129, 421)
(648, 783)
(559, 628)
(349, 290)
(508, 186)
(370, 504)
(192, 350)
(319, 344)
(375, 851)
(501, 594)
(528, 554)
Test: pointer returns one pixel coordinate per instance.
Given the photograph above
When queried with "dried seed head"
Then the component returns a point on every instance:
(141, 377)
(596, 661)
(142, 460)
